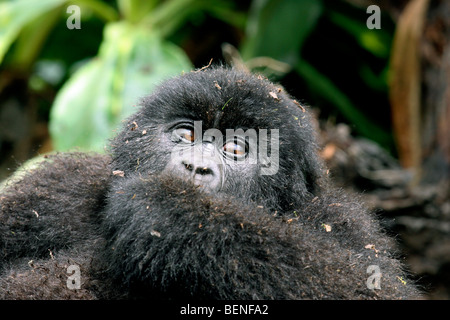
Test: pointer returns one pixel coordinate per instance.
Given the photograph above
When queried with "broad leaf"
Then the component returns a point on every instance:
(89, 107)
(277, 29)
(15, 15)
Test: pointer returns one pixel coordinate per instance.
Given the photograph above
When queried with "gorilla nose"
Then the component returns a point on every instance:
(202, 169)
(205, 173)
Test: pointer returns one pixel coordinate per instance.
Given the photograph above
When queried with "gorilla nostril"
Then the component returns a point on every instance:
(199, 170)
(188, 166)
(203, 171)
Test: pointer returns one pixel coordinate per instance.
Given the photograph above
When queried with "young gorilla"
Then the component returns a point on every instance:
(153, 221)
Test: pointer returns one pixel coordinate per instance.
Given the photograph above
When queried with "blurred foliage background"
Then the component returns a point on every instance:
(381, 95)
(64, 88)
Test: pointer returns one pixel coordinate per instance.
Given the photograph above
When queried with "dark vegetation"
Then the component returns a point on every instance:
(325, 56)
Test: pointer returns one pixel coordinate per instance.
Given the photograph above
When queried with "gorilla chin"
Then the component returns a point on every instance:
(223, 197)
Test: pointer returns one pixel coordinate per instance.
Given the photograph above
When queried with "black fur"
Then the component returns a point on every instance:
(144, 233)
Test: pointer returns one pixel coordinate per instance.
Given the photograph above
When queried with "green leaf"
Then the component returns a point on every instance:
(77, 105)
(168, 16)
(15, 15)
(320, 83)
(100, 8)
(31, 39)
(375, 41)
(277, 29)
(135, 10)
(131, 62)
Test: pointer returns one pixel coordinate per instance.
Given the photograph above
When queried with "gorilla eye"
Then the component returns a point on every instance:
(236, 149)
(185, 135)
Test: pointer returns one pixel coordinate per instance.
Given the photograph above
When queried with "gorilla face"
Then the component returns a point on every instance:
(224, 131)
(210, 159)
(198, 161)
